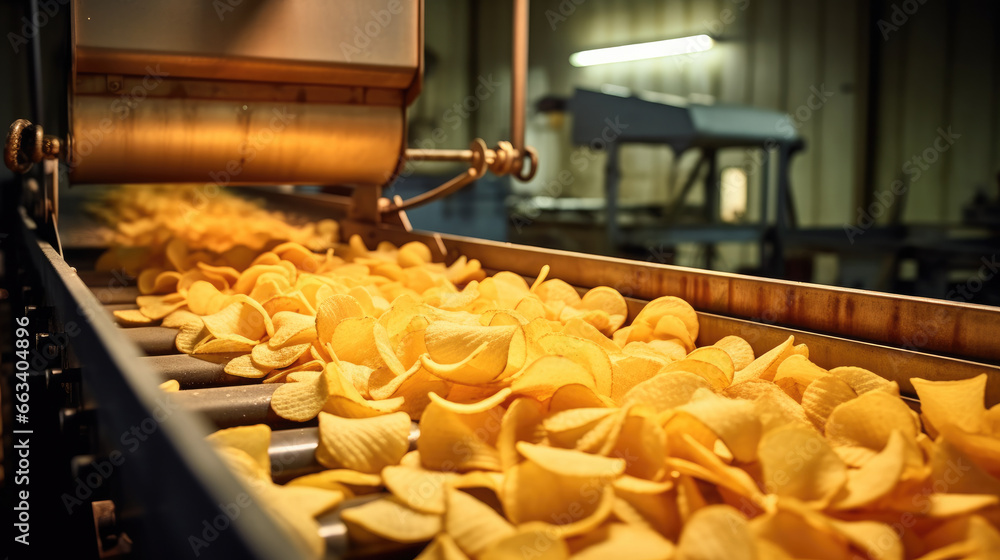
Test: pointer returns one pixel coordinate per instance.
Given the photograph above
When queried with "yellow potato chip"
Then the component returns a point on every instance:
(536, 540)
(244, 366)
(266, 357)
(291, 329)
(734, 421)
(799, 537)
(765, 366)
(877, 477)
(954, 403)
(391, 519)
(170, 386)
(459, 442)
(494, 400)
(669, 306)
(666, 390)
(521, 422)
(474, 526)
(226, 344)
(863, 381)
(363, 444)
(585, 353)
(822, 396)
(545, 376)
(799, 463)
(301, 401)
(254, 440)
(469, 354)
(418, 488)
(869, 420)
(618, 540)
(131, 318)
(628, 371)
(442, 547)
(739, 351)
(642, 443)
(717, 532)
(158, 307)
(716, 377)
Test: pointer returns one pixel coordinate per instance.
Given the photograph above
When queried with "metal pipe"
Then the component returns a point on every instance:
(518, 76)
(154, 341)
(417, 154)
(293, 452)
(194, 372)
(241, 405)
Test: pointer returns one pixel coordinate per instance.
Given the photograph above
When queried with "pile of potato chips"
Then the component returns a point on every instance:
(550, 429)
(144, 219)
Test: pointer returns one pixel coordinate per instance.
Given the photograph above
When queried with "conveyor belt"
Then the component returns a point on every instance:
(227, 401)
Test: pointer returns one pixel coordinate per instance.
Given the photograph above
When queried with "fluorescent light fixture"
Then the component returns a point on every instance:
(642, 51)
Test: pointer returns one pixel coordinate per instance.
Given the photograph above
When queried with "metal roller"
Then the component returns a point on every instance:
(293, 452)
(154, 341)
(241, 405)
(194, 372)
(116, 294)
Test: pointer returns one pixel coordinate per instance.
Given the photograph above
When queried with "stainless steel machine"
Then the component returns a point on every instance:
(176, 92)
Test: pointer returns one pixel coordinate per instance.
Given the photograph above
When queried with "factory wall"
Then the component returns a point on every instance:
(936, 65)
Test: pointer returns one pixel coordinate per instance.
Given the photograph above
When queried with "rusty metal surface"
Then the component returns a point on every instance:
(920, 324)
(827, 351)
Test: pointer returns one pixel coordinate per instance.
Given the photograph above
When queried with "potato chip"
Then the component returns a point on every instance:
(469, 354)
(669, 306)
(869, 420)
(799, 463)
(666, 390)
(459, 442)
(521, 422)
(253, 440)
(266, 357)
(765, 366)
(822, 396)
(585, 353)
(132, 318)
(536, 540)
(244, 366)
(799, 537)
(716, 532)
(362, 444)
(301, 401)
(877, 477)
(715, 376)
(953, 403)
(391, 519)
(170, 386)
(618, 540)
(442, 547)
(735, 422)
(473, 525)
(346, 481)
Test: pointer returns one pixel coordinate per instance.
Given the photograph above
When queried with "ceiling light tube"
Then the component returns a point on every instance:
(642, 51)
